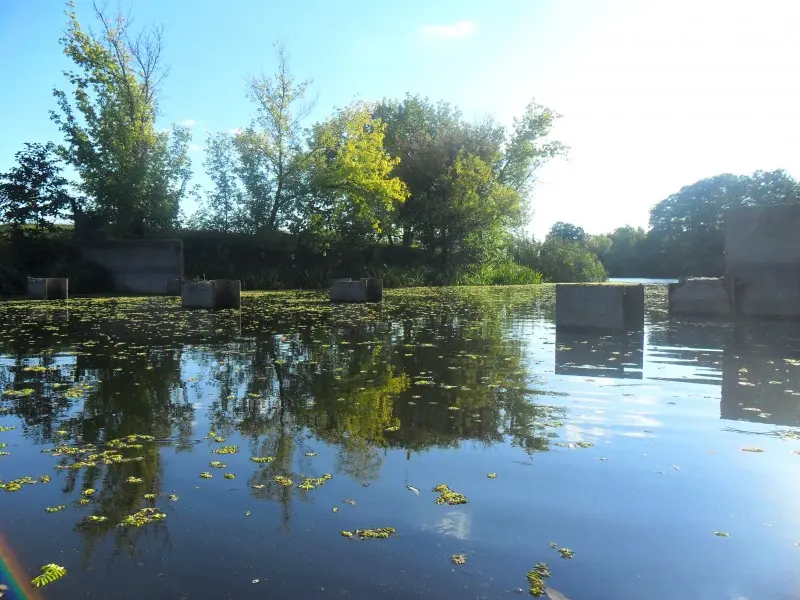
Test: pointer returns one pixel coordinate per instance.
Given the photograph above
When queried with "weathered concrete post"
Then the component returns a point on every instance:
(762, 260)
(600, 306)
(48, 288)
(699, 296)
(213, 294)
(361, 290)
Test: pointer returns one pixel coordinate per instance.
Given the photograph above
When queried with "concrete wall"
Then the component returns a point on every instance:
(699, 296)
(140, 266)
(600, 306)
(762, 260)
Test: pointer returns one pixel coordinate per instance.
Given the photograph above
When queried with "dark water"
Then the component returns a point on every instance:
(628, 450)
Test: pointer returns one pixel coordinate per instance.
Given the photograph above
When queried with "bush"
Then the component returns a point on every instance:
(564, 261)
(504, 273)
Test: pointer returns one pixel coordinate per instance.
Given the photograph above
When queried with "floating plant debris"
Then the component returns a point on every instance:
(283, 480)
(54, 509)
(492, 475)
(364, 534)
(49, 573)
(206, 475)
(566, 553)
(536, 577)
(448, 496)
(229, 476)
(217, 464)
(142, 517)
(459, 559)
(133, 479)
(226, 450)
(262, 459)
(722, 534)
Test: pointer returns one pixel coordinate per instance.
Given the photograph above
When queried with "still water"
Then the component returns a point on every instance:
(665, 463)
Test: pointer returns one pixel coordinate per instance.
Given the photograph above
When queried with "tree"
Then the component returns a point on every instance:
(34, 192)
(468, 183)
(133, 175)
(567, 232)
(271, 150)
(567, 261)
(687, 227)
(354, 193)
(223, 209)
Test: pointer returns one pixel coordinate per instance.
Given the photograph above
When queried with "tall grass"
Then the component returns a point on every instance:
(504, 273)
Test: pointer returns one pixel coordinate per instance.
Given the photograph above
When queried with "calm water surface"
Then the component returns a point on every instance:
(626, 449)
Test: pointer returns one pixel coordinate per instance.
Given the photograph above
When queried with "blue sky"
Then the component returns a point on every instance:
(655, 95)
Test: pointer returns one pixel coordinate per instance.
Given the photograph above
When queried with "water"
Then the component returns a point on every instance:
(663, 417)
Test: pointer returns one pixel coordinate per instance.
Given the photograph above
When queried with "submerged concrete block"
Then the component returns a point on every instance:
(213, 294)
(360, 290)
(600, 306)
(699, 296)
(174, 287)
(48, 288)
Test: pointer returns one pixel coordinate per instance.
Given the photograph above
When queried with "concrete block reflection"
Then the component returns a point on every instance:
(761, 374)
(618, 355)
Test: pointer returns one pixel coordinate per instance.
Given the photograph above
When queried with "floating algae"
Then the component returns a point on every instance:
(50, 573)
(365, 534)
(536, 578)
(142, 517)
(448, 496)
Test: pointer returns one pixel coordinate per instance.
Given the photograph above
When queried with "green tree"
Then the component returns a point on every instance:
(34, 192)
(562, 260)
(223, 208)
(468, 183)
(272, 153)
(354, 193)
(567, 232)
(687, 227)
(133, 175)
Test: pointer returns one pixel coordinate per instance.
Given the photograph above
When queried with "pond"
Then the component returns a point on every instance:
(261, 453)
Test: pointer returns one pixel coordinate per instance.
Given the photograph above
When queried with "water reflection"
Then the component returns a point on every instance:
(761, 374)
(435, 386)
(618, 355)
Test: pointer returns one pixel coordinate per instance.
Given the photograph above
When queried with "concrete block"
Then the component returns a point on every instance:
(360, 290)
(762, 260)
(174, 287)
(699, 296)
(600, 306)
(213, 294)
(48, 288)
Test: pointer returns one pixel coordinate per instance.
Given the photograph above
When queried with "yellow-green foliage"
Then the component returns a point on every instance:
(448, 496)
(50, 573)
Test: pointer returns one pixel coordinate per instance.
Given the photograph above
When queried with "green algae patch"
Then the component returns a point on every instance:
(366, 534)
(448, 496)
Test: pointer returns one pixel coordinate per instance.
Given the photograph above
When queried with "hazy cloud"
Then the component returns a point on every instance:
(236, 131)
(196, 148)
(188, 122)
(459, 29)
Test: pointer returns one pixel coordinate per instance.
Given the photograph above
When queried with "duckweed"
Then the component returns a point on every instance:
(448, 496)
(142, 517)
(226, 450)
(536, 577)
(364, 534)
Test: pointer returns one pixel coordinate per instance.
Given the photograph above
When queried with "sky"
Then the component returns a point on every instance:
(653, 95)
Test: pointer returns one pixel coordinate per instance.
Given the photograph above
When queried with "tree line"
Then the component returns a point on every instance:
(407, 176)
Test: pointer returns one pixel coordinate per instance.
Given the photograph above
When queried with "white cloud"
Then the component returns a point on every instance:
(459, 29)
(236, 131)
(188, 122)
(196, 148)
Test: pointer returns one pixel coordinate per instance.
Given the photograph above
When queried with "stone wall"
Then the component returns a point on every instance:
(139, 266)
(600, 306)
(762, 260)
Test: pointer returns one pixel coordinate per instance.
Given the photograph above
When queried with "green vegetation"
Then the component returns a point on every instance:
(406, 177)
(49, 573)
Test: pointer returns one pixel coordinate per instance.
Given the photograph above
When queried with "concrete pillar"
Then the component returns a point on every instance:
(361, 290)
(213, 294)
(612, 306)
(48, 288)
(699, 296)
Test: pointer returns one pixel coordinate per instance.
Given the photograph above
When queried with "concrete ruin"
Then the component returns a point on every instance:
(762, 260)
(706, 296)
(600, 306)
(359, 290)
(139, 266)
(212, 294)
(48, 288)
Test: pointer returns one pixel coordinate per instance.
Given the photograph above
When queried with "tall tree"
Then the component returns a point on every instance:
(567, 232)
(133, 175)
(354, 194)
(34, 192)
(223, 210)
(468, 183)
(271, 149)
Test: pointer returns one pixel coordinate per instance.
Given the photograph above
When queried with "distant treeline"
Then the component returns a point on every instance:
(686, 236)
